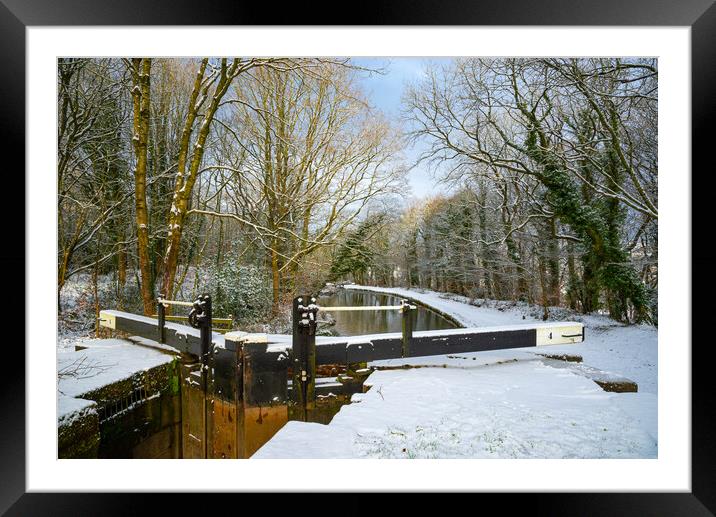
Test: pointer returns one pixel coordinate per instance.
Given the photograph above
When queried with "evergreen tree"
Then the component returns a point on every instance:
(355, 256)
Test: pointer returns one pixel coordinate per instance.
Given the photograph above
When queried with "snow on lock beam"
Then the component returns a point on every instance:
(180, 337)
(441, 342)
(353, 349)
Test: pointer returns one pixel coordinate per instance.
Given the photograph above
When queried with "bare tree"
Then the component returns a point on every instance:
(565, 127)
(91, 167)
(303, 156)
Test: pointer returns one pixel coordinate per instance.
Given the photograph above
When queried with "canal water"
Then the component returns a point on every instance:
(355, 323)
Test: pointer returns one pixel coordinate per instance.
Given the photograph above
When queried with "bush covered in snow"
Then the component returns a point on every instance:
(77, 303)
(243, 291)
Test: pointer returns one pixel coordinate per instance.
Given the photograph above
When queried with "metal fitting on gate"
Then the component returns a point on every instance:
(406, 306)
(200, 318)
(307, 316)
(200, 314)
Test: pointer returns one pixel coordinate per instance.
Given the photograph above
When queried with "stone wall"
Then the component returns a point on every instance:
(136, 417)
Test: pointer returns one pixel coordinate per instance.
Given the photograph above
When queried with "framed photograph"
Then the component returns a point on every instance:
(246, 247)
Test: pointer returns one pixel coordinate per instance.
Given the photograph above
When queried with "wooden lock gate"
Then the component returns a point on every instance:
(233, 389)
(236, 391)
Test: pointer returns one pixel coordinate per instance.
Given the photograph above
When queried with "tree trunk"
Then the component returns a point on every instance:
(95, 293)
(219, 245)
(141, 69)
(609, 259)
(553, 264)
(573, 279)
(121, 276)
(276, 281)
(186, 178)
(543, 287)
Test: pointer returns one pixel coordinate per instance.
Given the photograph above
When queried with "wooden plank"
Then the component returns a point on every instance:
(224, 421)
(359, 352)
(265, 376)
(262, 391)
(260, 424)
(471, 340)
(193, 411)
(225, 375)
(356, 351)
(332, 353)
(181, 337)
(264, 407)
(392, 348)
(223, 401)
(477, 342)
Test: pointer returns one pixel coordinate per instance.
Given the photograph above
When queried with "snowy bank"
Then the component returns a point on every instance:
(105, 362)
(504, 408)
(118, 399)
(502, 404)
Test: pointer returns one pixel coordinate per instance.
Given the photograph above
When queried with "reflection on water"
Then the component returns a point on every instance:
(356, 323)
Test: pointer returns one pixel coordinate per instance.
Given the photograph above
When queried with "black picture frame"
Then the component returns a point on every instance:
(700, 15)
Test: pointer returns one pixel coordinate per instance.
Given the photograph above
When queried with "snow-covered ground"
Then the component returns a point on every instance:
(104, 362)
(502, 404)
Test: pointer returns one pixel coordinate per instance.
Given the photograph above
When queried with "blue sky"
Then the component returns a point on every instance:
(385, 93)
